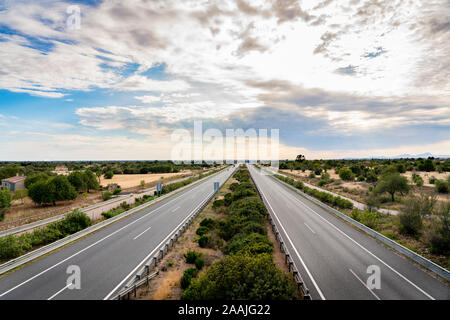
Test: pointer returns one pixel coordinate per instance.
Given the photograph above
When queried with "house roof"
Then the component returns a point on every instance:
(15, 179)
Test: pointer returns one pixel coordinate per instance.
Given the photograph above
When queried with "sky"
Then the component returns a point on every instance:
(356, 78)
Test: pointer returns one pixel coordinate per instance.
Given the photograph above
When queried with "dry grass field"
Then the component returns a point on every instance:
(134, 180)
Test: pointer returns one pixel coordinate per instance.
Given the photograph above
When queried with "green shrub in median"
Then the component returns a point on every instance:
(202, 230)
(190, 256)
(242, 277)
(203, 241)
(187, 277)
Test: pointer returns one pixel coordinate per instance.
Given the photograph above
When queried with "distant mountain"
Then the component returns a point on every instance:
(404, 156)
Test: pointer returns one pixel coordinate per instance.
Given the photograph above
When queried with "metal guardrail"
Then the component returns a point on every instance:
(143, 275)
(30, 256)
(43, 222)
(301, 286)
(430, 265)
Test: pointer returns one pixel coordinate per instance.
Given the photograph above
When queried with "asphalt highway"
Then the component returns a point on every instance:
(336, 260)
(108, 257)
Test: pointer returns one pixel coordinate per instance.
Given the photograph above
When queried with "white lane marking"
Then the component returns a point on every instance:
(369, 252)
(365, 285)
(175, 209)
(151, 253)
(59, 292)
(140, 234)
(95, 243)
(309, 228)
(295, 249)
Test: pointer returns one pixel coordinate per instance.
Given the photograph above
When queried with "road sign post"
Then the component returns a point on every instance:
(159, 188)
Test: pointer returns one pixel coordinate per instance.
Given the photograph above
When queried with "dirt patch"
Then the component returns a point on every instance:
(27, 212)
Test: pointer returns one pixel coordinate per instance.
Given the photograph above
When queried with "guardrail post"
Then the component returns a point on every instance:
(147, 268)
(161, 251)
(135, 290)
(286, 257)
(281, 245)
(167, 247)
(289, 267)
(155, 260)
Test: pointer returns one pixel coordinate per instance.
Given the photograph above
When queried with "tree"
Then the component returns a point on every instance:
(5, 202)
(91, 181)
(98, 173)
(109, 174)
(300, 158)
(77, 179)
(392, 183)
(346, 174)
(427, 165)
(55, 189)
(35, 178)
(61, 189)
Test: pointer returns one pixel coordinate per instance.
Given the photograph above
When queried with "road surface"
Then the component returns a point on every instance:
(333, 257)
(108, 257)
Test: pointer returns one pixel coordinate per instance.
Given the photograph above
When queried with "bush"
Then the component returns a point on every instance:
(432, 180)
(117, 191)
(361, 178)
(440, 240)
(106, 195)
(415, 209)
(369, 218)
(203, 241)
(346, 174)
(207, 222)
(14, 246)
(187, 277)
(202, 230)
(190, 256)
(5, 202)
(218, 203)
(312, 175)
(242, 277)
(441, 186)
(199, 263)
(109, 174)
(253, 244)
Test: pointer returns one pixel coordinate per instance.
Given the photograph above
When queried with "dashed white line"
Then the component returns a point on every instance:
(373, 293)
(140, 234)
(59, 292)
(175, 209)
(309, 228)
(362, 247)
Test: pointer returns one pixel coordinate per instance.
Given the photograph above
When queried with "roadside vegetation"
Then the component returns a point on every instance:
(420, 220)
(14, 246)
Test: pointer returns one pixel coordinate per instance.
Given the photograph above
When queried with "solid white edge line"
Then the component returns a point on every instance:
(140, 234)
(301, 260)
(151, 253)
(90, 246)
(369, 252)
(365, 285)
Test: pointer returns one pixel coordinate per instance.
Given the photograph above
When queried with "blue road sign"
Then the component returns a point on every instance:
(159, 187)
(216, 186)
